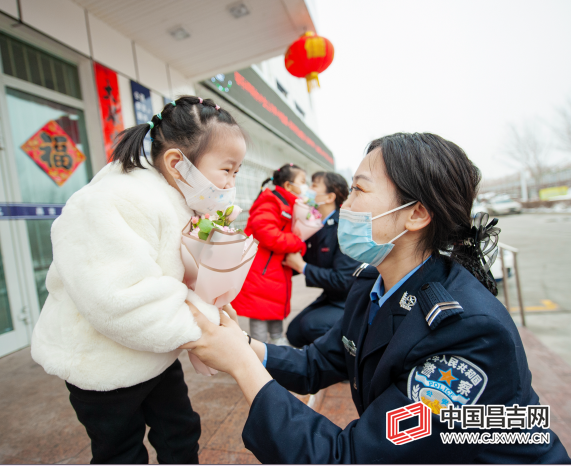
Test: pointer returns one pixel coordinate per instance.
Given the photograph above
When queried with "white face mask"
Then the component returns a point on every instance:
(303, 188)
(200, 193)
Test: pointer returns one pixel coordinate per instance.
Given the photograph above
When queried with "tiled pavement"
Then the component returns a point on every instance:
(38, 425)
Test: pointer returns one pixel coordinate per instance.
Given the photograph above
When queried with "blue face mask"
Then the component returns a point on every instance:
(310, 194)
(355, 235)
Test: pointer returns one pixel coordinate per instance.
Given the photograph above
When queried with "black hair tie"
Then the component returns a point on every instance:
(483, 238)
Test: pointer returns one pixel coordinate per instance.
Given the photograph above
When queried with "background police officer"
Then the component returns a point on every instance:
(324, 265)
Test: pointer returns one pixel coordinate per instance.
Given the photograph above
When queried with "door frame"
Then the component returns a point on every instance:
(14, 240)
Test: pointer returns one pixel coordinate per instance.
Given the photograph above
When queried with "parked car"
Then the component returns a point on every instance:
(502, 205)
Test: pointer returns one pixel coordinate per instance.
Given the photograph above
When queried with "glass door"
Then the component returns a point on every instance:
(15, 329)
(40, 177)
(44, 159)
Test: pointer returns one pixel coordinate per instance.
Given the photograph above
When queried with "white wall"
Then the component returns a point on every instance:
(110, 48)
(157, 102)
(152, 71)
(10, 7)
(127, 108)
(61, 19)
(80, 30)
(180, 85)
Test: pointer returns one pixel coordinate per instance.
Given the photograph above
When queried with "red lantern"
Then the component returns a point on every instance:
(308, 56)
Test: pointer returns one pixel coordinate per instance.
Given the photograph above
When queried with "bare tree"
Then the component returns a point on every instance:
(562, 129)
(526, 147)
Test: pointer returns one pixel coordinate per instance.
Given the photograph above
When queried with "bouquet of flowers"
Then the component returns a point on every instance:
(306, 218)
(216, 260)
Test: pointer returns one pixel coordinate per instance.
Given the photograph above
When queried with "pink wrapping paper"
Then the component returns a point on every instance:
(216, 269)
(302, 226)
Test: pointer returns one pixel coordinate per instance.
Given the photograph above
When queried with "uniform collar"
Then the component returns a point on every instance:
(378, 295)
(435, 269)
(332, 214)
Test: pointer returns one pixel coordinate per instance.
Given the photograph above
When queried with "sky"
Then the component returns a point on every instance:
(464, 70)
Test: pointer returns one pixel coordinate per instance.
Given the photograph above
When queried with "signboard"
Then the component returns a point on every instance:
(143, 109)
(109, 105)
(548, 193)
(54, 152)
(30, 211)
(248, 91)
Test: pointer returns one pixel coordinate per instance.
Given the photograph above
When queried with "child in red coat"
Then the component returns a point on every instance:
(265, 296)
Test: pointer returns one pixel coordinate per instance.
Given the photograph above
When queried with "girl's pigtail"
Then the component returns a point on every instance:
(129, 147)
(266, 181)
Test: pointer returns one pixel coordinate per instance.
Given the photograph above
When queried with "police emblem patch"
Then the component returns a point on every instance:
(407, 301)
(443, 380)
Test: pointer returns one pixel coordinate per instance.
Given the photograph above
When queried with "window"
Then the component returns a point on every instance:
(281, 88)
(299, 109)
(38, 67)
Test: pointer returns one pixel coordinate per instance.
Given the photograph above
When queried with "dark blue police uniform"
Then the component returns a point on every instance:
(328, 268)
(442, 338)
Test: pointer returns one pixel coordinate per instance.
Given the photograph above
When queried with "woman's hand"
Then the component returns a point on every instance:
(295, 261)
(226, 349)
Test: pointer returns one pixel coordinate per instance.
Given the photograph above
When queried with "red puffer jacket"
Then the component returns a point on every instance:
(267, 290)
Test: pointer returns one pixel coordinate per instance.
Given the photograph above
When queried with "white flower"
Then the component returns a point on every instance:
(234, 215)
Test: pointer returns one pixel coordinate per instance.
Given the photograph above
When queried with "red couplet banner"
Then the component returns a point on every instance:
(109, 105)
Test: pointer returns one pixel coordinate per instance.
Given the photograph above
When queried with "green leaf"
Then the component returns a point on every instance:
(205, 225)
(219, 222)
(203, 235)
(219, 213)
(229, 210)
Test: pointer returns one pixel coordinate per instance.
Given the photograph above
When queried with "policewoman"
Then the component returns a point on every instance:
(323, 264)
(429, 329)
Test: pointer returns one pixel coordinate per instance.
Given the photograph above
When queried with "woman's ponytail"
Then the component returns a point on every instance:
(129, 147)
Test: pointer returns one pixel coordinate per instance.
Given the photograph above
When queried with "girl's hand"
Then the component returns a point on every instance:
(295, 261)
(231, 312)
(221, 347)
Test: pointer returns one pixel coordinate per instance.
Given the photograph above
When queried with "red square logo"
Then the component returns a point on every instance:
(424, 428)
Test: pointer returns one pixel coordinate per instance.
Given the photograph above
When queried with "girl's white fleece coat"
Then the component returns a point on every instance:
(115, 314)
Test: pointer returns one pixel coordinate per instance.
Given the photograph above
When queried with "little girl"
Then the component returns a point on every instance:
(116, 314)
(265, 296)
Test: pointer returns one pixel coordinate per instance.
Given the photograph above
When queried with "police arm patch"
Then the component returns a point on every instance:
(446, 379)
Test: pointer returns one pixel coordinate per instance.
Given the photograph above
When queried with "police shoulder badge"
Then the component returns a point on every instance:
(443, 380)
(407, 301)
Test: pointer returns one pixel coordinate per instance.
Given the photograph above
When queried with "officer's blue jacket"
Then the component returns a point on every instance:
(327, 267)
(454, 344)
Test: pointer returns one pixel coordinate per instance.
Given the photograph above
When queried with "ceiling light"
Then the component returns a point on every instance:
(179, 33)
(238, 10)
